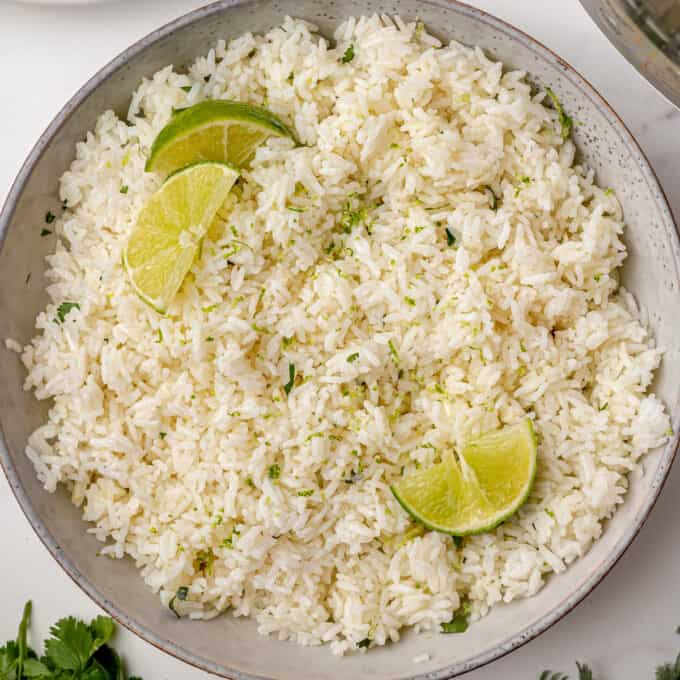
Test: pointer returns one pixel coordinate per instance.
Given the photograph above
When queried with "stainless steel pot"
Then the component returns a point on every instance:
(647, 33)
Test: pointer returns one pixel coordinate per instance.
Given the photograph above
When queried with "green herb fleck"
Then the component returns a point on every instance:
(460, 621)
(364, 644)
(181, 594)
(210, 339)
(45, 232)
(291, 379)
(160, 336)
(450, 237)
(410, 301)
(597, 277)
(305, 492)
(291, 77)
(186, 88)
(204, 561)
(49, 217)
(250, 482)
(123, 189)
(352, 217)
(63, 309)
(566, 123)
(525, 179)
(274, 471)
(608, 191)
(163, 435)
(296, 209)
(348, 55)
(393, 352)
(493, 199)
(352, 357)
(603, 407)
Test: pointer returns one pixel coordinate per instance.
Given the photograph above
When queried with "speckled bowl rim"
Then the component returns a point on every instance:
(512, 642)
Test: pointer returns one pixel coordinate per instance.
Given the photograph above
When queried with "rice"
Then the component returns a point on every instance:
(371, 259)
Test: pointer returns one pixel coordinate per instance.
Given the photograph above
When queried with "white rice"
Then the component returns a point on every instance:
(165, 429)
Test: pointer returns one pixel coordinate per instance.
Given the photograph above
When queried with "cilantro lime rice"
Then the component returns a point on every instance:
(427, 265)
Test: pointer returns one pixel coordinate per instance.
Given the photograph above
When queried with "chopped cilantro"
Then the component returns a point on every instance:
(45, 232)
(410, 301)
(294, 208)
(49, 217)
(459, 623)
(291, 77)
(352, 357)
(450, 237)
(160, 336)
(186, 88)
(393, 352)
(210, 338)
(604, 407)
(566, 123)
(291, 379)
(250, 482)
(493, 199)
(348, 55)
(608, 191)
(63, 309)
(305, 492)
(204, 560)
(352, 217)
(163, 435)
(274, 471)
(365, 643)
(123, 189)
(181, 595)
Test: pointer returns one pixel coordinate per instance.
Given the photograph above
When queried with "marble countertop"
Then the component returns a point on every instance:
(627, 626)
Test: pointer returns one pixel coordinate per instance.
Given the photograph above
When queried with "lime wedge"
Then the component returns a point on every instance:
(477, 490)
(215, 130)
(170, 228)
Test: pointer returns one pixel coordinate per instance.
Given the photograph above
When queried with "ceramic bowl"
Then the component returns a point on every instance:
(231, 647)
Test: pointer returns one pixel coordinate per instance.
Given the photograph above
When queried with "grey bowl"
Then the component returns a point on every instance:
(231, 647)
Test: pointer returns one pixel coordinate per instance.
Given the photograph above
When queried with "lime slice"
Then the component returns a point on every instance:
(479, 489)
(215, 130)
(170, 228)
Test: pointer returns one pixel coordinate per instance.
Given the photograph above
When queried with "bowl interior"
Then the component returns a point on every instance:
(231, 646)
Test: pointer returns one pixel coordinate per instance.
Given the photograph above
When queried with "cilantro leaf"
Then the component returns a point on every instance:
(584, 672)
(36, 669)
(291, 379)
(63, 309)
(102, 629)
(458, 624)
(566, 122)
(348, 55)
(110, 661)
(181, 595)
(668, 671)
(70, 646)
(9, 657)
(364, 644)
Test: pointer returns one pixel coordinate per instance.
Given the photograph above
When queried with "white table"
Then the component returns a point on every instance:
(627, 626)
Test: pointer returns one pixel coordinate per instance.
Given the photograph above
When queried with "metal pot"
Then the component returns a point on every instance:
(647, 33)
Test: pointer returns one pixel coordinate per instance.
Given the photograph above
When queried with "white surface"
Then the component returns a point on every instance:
(626, 627)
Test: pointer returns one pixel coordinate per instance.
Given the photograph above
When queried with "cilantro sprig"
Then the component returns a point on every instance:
(75, 650)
